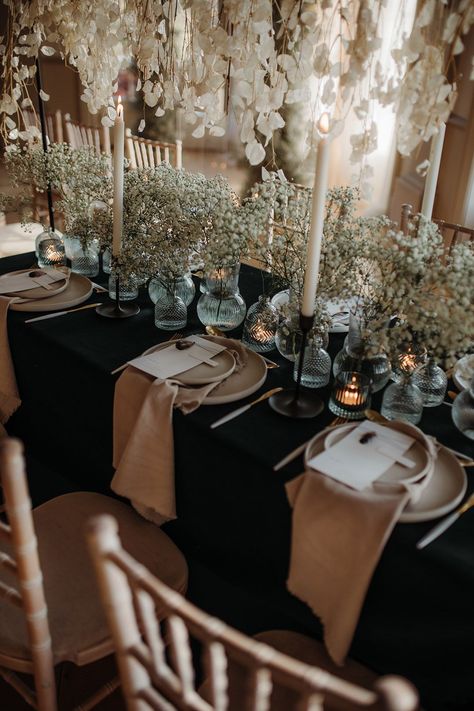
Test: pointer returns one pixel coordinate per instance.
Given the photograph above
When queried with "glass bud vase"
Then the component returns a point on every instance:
(171, 313)
(184, 288)
(84, 259)
(221, 304)
(360, 355)
(463, 411)
(128, 288)
(260, 326)
(288, 334)
(50, 250)
(316, 364)
(106, 261)
(403, 401)
(432, 382)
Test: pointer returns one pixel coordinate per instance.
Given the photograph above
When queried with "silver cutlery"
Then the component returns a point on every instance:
(244, 408)
(443, 525)
(62, 313)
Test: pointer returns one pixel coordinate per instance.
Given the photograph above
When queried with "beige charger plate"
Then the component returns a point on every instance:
(201, 374)
(78, 289)
(444, 492)
(239, 384)
(39, 292)
(397, 473)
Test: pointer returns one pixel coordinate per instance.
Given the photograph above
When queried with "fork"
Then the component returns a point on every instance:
(175, 337)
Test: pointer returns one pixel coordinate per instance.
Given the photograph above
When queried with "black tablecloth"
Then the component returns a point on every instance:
(233, 514)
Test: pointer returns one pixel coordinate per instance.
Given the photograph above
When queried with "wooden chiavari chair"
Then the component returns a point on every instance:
(54, 614)
(54, 124)
(152, 678)
(79, 135)
(145, 153)
(452, 233)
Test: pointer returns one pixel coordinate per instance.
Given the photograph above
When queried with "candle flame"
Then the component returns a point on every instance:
(119, 107)
(323, 125)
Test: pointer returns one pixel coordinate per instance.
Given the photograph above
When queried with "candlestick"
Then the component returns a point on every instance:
(433, 171)
(119, 135)
(318, 207)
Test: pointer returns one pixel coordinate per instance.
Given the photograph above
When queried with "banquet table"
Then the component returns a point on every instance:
(234, 519)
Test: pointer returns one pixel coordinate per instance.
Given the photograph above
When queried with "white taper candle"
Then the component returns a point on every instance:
(432, 174)
(318, 208)
(119, 134)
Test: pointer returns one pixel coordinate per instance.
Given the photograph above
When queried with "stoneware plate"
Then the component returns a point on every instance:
(396, 473)
(240, 384)
(78, 289)
(444, 492)
(202, 374)
(39, 292)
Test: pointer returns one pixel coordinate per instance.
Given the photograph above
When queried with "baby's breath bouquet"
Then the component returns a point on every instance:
(79, 177)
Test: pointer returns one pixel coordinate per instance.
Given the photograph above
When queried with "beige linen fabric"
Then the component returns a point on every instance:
(9, 396)
(143, 435)
(338, 535)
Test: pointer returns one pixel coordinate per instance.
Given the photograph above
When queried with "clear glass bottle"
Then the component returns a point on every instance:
(106, 261)
(260, 326)
(84, 260)
(50, 251)
(184, 287)
(462, 411)
(221, 304)
(288, 335)
(171, 313)
(359, 355)
(403, 401)
(128, 288)
(316, 364)
(433, 382)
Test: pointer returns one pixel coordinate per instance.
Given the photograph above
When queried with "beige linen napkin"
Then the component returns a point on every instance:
(143, 435)
(338, 535)
(9, 396)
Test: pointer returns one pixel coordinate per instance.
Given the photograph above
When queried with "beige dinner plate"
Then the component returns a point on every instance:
(201, 374)
(444, 491)
(78, 289)
(240, 384)
(39, 292)
(397, 473)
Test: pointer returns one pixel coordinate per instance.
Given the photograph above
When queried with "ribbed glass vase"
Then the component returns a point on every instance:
(221, 304)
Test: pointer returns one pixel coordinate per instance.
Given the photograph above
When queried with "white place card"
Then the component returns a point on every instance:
(22, 282)
(363, 455)
(171, 361)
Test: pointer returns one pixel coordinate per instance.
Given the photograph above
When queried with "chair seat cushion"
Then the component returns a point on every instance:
(77, 623)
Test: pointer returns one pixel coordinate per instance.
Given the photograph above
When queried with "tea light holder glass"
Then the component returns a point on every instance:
(260, 326)
(50, 251)
(350, 395)
(410, 359)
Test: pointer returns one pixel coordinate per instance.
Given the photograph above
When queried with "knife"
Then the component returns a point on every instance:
(61, 313)
(445, 523)
(244, 408)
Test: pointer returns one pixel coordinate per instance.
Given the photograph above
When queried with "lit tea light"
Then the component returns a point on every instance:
(350, 396)
(51, 253)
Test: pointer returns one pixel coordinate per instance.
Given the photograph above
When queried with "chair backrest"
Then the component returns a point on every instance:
(54, 124)
(79, 135)
(24, 565)
(145, 153)
(452, 233)
(153, 679)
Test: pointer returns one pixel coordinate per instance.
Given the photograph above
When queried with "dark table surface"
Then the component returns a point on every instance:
(418, 618)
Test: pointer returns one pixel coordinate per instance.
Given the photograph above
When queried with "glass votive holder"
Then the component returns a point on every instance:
(350, 395)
